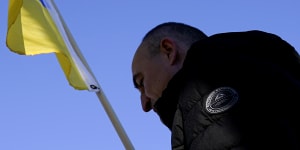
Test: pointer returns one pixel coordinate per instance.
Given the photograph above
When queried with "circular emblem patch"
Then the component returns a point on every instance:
(221, 99)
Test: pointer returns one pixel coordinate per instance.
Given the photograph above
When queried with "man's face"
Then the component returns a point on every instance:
(150, 76)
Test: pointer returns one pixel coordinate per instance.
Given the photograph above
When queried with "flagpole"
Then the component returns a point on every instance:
(102, 98)
(114, 120)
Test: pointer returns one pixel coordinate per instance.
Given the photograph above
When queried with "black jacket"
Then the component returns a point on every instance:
(237, 90)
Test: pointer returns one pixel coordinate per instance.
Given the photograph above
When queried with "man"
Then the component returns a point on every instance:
(235, 90)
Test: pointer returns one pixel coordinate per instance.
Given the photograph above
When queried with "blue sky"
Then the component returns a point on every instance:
(40, 111)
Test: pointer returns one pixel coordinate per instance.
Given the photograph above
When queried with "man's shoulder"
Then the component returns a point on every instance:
(246, 33)
(241, 48)
(252, 43)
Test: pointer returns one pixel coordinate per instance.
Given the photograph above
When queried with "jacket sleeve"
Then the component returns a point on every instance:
(264, 71)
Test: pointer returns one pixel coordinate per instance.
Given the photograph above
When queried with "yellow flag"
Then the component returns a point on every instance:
(36, 27)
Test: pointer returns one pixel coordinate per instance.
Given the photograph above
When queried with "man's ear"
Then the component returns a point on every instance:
(168, 47)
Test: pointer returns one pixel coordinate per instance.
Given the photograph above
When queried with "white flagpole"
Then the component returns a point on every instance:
(102, 98)
(114, 120)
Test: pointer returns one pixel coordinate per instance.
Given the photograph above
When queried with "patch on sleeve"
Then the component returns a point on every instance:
(221, 99)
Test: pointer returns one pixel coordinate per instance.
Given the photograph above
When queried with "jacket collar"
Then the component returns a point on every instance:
(166, 105)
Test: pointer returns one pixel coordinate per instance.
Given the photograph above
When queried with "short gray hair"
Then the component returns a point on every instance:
(182, 33)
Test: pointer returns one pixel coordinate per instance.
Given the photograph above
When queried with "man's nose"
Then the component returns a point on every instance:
(146, 103)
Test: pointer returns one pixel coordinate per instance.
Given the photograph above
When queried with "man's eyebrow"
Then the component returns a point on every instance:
(134, 80)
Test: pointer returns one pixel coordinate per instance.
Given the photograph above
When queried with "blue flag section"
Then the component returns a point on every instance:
(43, 3)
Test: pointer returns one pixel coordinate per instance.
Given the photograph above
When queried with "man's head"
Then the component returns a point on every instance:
(159, 57)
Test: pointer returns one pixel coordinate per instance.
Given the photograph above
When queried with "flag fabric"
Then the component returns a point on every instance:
(36, 27)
